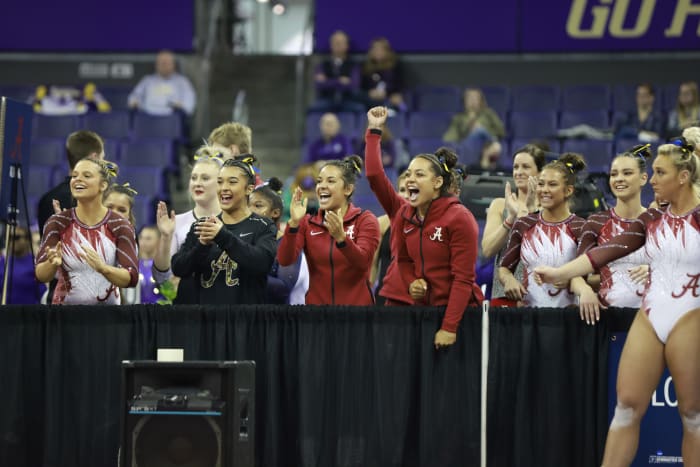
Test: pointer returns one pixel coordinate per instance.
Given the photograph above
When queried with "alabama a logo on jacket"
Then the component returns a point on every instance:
(350, 233)
(437, 235)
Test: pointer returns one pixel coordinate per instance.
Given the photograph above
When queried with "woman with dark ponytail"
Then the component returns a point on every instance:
(547, 238)
(436, 235)
(229, 255)
(339, 241)
(285, 284)
(621, 281)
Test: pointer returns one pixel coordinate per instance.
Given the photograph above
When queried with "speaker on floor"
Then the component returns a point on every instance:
(187, 414)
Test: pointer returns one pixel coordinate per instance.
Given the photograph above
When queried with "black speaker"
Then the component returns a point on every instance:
(187, 414)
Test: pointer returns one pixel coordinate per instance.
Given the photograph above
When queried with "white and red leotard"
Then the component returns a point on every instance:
(537, 242)
(78, 283)
(616, 287)
(672, 247)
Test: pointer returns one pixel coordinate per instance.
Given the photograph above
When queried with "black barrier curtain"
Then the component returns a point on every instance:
(548, 386)
(335, 386)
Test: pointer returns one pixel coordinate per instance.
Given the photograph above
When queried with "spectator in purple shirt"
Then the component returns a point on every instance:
(337, 79)
(23, 287)
(382, 77)
(164, 91)
(332, 144)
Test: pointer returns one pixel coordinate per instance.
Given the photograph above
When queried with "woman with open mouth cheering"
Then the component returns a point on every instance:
(437, 242)
(339, 241)
(229, 255)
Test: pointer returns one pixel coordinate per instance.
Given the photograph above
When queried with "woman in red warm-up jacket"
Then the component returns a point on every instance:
(339, 242)
(436, 235)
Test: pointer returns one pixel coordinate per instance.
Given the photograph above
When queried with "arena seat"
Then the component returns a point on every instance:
(437, 99)
(585, 97)
(114, 125)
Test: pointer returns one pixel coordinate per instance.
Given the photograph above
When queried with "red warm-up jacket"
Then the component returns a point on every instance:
(338, 274)
(442, 249)
(393, 287)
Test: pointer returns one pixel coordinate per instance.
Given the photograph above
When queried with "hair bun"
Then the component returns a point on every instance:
(355, 162)
(575, 162)
(446, 156)
(275, 184)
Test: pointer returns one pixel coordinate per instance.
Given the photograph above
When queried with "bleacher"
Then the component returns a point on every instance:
(528, 113)
(144, 146)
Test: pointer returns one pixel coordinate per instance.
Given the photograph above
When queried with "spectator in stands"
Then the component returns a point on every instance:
(90, 247)
(502, 213)
(547, 238)
(339, 276)
(173, 229)
(285, 284)
(643, 123)
(382, 76)
(337, 79)
(478, 128)
(230, 255)
(231, 139)
(23, 287)
(165, 91)
(621, 283)
(79, 145)
(687, 109)
(332, 144)
(148, 246)
(436, 243)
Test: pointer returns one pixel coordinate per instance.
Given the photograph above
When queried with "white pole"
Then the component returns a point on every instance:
(484, 374)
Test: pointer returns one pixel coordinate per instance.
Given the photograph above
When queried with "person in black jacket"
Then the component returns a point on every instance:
(229, 255)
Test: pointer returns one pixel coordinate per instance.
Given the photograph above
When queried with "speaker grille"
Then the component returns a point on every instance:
(176, 441)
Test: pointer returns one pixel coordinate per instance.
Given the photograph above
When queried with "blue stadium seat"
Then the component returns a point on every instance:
(585, 97)
(498, 98)
(396, 125)
(117, 96)
(426, 145)
(533, 124)
(39, 180)
(428, 124)
(114, 125)
(537, 98)
(112, 150)
(598, 154)
(148, 181)
(144, 211)
(595, 118)
(668, 95)
(437, 99)
(348, 125)
(48, 152)
(157, 126)
(55, 126)
(368, 202)
(625, 144)
(32, 208)
(148, 153)
(554, 145)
